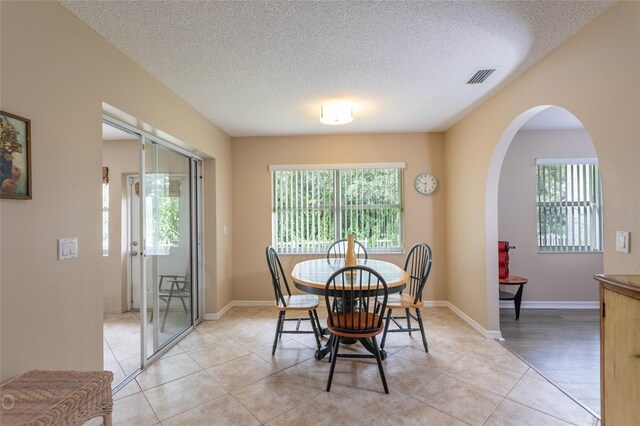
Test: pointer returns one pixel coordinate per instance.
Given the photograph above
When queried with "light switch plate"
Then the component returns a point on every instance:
(67, 248)
(622, 241)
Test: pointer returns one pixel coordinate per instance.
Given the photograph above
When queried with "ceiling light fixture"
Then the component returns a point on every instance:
(336, 112)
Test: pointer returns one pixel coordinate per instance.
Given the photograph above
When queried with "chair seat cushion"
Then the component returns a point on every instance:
(357, 324)
(398, 301)
(302, 302)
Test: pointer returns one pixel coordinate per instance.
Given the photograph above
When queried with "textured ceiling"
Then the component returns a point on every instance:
(259, 68)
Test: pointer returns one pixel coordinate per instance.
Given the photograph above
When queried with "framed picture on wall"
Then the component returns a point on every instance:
(15, 157)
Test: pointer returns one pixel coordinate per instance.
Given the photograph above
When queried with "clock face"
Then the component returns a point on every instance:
(425, 183)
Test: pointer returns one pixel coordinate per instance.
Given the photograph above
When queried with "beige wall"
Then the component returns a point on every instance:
(123, 158)
(58, 72)
(596, 76)
(424, 215)
(552, 276)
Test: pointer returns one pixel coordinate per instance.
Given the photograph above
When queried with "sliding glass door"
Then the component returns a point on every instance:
(170, 235)
(162, 214)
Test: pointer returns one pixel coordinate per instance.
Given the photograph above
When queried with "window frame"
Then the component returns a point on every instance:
(336, 207)
(106, 229)
(589, 197)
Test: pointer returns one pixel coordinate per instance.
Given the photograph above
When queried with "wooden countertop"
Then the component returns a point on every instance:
(627, 284)
(513, 280)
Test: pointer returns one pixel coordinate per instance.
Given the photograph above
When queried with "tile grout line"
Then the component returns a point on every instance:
(437, 409)
(588, 410)
(540, 411)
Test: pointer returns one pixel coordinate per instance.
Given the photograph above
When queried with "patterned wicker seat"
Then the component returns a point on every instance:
(56, 398)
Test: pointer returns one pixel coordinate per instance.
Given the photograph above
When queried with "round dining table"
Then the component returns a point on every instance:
(311, 276)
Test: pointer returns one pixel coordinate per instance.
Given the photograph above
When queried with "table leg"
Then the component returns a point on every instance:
(369, 346)
(517, 300)
(326, 350)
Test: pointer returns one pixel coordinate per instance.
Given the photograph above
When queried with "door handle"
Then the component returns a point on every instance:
(134, 253)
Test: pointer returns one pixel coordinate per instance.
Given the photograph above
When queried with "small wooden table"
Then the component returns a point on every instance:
(517, 297)
(311, 276)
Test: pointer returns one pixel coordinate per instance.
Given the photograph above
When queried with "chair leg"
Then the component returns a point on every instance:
(278, 327)
(379, 361)
(386, 328)
(106, 420)
(184, 305)
(334, 357)
(424, 337)
(164, 319)
(316, 332)
(408, 314)
(315, 314)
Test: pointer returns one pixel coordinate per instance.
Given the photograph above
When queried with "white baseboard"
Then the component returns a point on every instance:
(218, 315)
(253, 303)
(435, 303)
(489, 334)
(551, 305)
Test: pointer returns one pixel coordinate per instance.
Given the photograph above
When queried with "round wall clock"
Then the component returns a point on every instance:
(425, 183)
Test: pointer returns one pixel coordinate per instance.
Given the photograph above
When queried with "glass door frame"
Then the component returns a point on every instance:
(197, 243)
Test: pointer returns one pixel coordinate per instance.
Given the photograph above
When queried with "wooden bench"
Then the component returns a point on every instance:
(56, 398)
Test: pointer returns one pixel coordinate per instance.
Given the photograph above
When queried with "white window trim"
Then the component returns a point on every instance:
(340, 166)
(563, 161)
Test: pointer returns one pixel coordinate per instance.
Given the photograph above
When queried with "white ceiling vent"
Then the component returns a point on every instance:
(481, 76)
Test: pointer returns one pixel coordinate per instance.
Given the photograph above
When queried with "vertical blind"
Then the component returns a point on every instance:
(371, 207)
(303, 210)
(312, 208)
(569, 201)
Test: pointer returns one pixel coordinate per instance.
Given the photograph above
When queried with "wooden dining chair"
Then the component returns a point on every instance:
(285, 302)
(339, 248)
(418, 266)
(356, 299)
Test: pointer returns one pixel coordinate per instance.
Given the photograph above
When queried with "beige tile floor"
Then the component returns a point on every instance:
(223, 373)
(121, 345)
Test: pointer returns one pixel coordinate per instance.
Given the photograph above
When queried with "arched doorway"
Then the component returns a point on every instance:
(491, 213)
(524, 153)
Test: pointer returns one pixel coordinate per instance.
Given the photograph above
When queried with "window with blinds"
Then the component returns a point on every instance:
(569, 200)
(313, 206)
